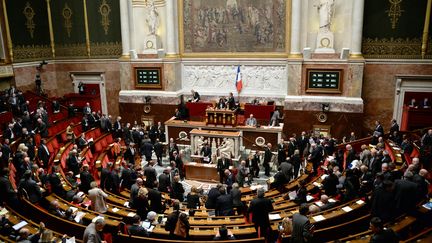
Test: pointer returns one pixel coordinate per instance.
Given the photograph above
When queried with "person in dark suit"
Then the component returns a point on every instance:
(118, 129)
(43, 153)
(5, 152)
(212, 196)
(177, 189)
(85, 124)
(302, 228)
(330, 182)
(28, 187)
(147, 150)
(405, 196)
(8, 132)
(55, 182)
(150, 174)
(221, 103)
(195, 96)
(281, 150)
(193, 198)
(260, 208)
(315, 157)
(224, 206)
(129, 154)
(394, 126)
(92, 233)
(172, 146)
(136, 228)
(86, 178)
(179, 164)
(172, 219)
(231, 102)
(41, 128)
(295, 160)
(156, 203)
(153, 133)
(134, 192)
(287, 170)
(236, 198)
(8, 193)
(255, 164)
(292, 146)
(71, 110)
(302, 143)
(222, 164)
(379, 130)
(382, 201)
(206, 152)
(141, 202)
(267, 158)
(73, 164)
(165, 180)
(158, 149)
(381, 234)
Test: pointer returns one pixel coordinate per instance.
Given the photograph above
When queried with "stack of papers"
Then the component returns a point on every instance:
(274, 216)
(347, 209)
(19, 225)
(309, 198)
(115, 210)
(318, 218)
(360, 202)
(131, 214)
(70, 240)
(292, 195)
(74, 209)
(319, 203)
(332, 200)
(79, 216)
(4, 211)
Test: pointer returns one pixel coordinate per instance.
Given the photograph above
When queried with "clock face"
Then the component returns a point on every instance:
(325, 42)
(149, 44)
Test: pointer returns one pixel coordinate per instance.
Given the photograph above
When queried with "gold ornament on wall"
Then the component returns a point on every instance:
(394, 12)
(67, 15)
(29, 14)
(105, 10)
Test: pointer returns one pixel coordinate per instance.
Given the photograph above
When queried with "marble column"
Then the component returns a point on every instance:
(124, 21)
(131, 25)
(295, 28)
(171, 32)
(357, 28)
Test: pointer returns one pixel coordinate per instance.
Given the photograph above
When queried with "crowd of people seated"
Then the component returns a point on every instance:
(347, 174)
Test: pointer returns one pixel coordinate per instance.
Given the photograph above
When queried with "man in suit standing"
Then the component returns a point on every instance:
(129, 154)
(118, 130)
(287, 170)
(222, 164)
(41, 128)
(150, 174)
(231, 102)
(394, 126)
(93, 232)
(87, 109)
(281, 151)
(260, 208)
(147, 150)
(8, 133)
(97, 197)
(165, 180)
(302, 228)
(43, 153)
(179, 164)
(267, 158)
(158, 149)
(206, 153)
(73, 164)
(86, 178)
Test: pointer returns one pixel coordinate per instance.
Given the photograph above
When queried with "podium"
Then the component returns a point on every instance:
(221, 117)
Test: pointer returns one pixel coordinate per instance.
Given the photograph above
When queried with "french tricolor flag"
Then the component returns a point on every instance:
(239, 84)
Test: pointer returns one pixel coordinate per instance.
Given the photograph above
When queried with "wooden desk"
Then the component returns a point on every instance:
(220, 117)
(197, 109)
(203, 172)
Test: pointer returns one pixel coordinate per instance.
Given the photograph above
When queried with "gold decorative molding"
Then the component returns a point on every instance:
(32, 52)
(397, 48)
(394, 12)
(51, 31)
(87, 33)
(71, 50)
(106, 49)
(8, 35)
(105, 10)
(29, 14)
(67, 15)
(6, 71)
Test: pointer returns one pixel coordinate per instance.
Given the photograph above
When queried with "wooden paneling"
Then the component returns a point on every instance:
(131, 112)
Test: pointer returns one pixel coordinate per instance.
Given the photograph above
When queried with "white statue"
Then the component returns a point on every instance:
(152, 18)
(326, 11)
(227, 147)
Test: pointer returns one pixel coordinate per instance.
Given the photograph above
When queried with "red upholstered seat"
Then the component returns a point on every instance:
(109, 139)
(97, 132)
(98, 147)
(104, 142)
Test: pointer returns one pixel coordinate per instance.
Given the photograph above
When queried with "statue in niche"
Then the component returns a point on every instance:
(326, 11)
(152, 18)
